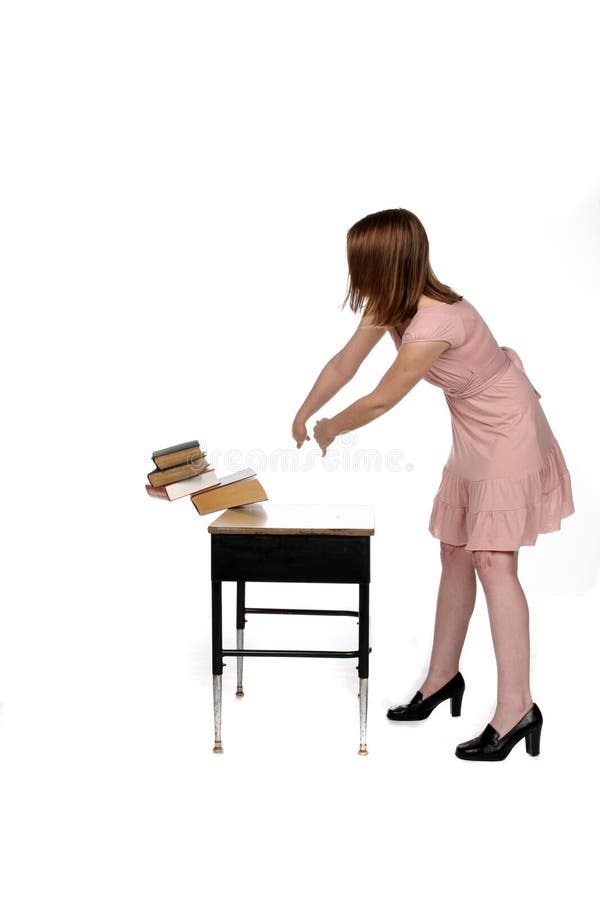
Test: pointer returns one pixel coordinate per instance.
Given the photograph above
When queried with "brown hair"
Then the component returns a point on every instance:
(388, 262)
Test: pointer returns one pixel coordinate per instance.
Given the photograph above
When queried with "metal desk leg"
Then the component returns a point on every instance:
(363, 662)
(217, 659)
(240, 623)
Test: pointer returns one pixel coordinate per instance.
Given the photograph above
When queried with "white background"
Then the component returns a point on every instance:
(177, 184)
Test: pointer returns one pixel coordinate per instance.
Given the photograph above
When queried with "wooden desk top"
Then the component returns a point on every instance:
(282, 518)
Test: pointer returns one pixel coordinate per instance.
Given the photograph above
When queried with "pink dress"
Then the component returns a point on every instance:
(505, 480)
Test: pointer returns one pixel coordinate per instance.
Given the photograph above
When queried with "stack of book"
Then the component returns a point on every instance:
(180, 470)
(183, 471)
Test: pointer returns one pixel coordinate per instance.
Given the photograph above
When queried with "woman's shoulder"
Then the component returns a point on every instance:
(437, 321)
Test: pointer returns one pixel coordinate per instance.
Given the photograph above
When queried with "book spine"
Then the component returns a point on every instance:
(158, 477)
(178, 459)
(175, 448)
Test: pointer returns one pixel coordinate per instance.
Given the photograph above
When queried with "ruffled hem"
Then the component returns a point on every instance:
(503, 513)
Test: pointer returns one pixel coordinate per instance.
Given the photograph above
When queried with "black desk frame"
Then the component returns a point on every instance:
(288, 557)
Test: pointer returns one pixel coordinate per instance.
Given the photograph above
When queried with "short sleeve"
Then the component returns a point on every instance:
(435, 327)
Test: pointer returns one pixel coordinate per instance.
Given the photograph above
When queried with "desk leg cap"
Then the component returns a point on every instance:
(217, 748)
(239, 693)
(363, 750)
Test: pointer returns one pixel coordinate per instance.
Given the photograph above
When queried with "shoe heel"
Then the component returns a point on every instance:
(532, 741)
(456, 703)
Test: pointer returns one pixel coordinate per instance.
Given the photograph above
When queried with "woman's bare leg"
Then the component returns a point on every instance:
(455, 604)
(509, 621)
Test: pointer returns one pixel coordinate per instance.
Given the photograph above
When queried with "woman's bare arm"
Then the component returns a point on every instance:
(329, 381)
(341, 368)
(412, 362)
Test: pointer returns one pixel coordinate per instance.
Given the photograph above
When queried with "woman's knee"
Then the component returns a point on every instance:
(452, 554)
(489, 563)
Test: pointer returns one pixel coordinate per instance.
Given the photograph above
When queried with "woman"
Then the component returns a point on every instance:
(505, 480)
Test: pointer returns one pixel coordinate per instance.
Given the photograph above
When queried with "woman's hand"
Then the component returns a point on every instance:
(323, 434)
(299, 432)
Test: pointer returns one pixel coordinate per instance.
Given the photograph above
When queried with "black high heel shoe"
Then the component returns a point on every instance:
(489, 744)
(420, 708)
